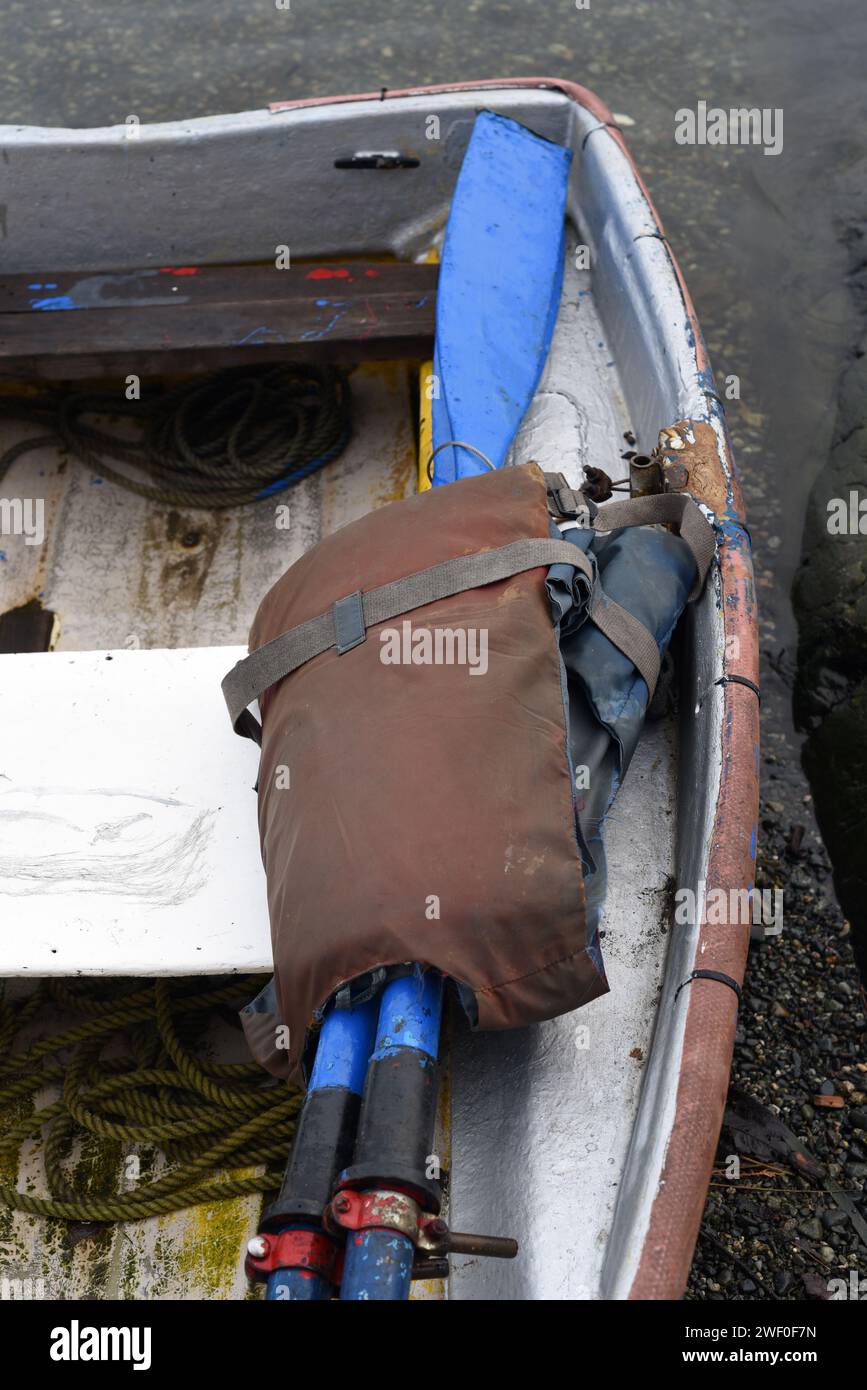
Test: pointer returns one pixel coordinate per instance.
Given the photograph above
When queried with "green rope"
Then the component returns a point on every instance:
(153, 1088)
(218, 441)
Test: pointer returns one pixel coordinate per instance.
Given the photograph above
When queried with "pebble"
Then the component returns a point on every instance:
(832, 1219)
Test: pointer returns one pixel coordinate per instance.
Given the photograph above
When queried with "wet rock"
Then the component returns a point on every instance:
(830, 598)
(832, 1220)
(815, 1287)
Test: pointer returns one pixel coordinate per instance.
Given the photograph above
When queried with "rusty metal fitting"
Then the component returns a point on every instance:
(645, 476)
(295, 1249)
(690, 460)
(677, 476)
(436, 1238)
(596, 484)
(387, 1210)
(395, 1211)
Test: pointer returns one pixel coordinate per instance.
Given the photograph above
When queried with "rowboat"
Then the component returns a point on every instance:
(128, 840)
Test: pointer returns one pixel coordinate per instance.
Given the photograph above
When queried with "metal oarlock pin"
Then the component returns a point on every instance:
(300, 1260)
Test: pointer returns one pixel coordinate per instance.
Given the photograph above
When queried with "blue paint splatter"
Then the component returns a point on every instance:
(734, 531)
(62, 301)
(252, 336)
(321, 332)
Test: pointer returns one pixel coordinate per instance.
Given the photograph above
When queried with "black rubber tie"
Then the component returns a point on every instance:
(741, 680)
(711, 975)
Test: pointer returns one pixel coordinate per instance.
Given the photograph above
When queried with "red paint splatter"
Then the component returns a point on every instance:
(326, 273)
(371, 274)
(179, 270)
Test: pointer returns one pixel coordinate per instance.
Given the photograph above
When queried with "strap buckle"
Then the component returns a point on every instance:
(566, 503)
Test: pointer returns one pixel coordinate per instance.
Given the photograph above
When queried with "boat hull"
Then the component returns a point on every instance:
(594, 1148)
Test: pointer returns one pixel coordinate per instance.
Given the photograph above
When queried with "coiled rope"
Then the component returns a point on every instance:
(128, 1072)
(221, 441)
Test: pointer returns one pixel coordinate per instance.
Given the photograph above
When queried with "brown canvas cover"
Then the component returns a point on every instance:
(423, 812)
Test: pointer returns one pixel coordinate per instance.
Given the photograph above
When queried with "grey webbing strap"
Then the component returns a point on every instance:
(666, 508)
(629, 635)
(250, 677)
(567, 501)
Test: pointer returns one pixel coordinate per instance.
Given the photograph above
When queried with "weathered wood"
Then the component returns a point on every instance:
(214, 315)
(28, 628)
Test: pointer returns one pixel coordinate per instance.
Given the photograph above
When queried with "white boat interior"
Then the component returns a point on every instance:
(128, 836)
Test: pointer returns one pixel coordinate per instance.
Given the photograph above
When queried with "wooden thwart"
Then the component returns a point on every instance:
(189, 316)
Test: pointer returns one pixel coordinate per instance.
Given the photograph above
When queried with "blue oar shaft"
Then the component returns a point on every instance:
(395, 1132)
(323, 1142)
(377, 1268)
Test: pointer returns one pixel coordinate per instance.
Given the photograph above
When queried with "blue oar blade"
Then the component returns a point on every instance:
(499, 291)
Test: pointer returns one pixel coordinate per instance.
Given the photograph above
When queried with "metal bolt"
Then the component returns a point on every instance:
(439, 1227)
(677, 476)
(342, 1204)
(257, 1247)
